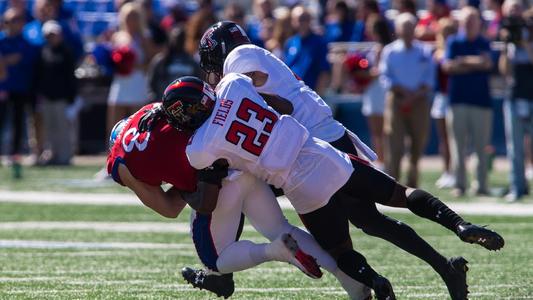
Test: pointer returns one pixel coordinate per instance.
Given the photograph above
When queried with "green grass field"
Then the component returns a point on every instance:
(135, 264)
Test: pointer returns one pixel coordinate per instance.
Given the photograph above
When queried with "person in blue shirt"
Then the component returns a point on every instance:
(305, 53)
(470, 116)
(364, 10)
(46, 10)
(341, 28)
(19, 58)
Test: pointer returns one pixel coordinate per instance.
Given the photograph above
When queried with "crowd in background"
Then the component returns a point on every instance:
(426, 61)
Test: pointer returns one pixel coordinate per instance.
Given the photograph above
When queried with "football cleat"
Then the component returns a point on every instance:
(480, 235)
(221, 285)
(382, 288)
(455, 278)
(291, 253)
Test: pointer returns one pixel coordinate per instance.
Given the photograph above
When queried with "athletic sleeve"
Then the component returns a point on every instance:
(244, 60)
(198, 152)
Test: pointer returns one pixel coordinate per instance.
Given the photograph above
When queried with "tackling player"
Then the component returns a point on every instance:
(325, 186)
(225, 48)
(146, 151)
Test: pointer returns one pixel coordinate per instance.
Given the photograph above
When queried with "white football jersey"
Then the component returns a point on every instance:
(253, 138)
(309, 108)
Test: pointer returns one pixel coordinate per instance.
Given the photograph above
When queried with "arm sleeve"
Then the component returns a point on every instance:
(245, 60)
(384, 69)
(430, 72)
(450, 52)
(198, 155)
(323, 56)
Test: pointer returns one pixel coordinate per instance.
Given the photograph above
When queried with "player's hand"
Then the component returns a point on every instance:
(149, 118)
(215, 173)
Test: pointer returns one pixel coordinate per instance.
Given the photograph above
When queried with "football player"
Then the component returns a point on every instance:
(326, 187)
(146, 152)
(225, 48)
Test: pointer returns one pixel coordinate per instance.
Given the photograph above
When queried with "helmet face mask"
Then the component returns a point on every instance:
(188, 103)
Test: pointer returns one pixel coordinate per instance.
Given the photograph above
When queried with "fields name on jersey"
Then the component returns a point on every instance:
(222, 112)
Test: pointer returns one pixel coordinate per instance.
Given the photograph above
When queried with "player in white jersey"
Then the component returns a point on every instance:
(225, 48)
(243, 132)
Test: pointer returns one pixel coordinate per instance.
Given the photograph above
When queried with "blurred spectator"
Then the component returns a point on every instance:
(18, 57)
(157, 34)
(267, 30)
(197, 25)
(173, 63)
(364, 9)
(56, 83)
(340, 26)
(46, 10)
(493, 26)
(175, 17)
(262, 15)
(132, 54)
(234, 12)
(20, 6)
(470, 115)
(378, 30)
(407, 6)
(516, 63)
(408, 73)
(428, 25)
(446, 28)
(281, 32)
(305, 52)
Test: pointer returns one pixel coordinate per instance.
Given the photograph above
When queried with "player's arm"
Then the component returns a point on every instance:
(204, 200)
(168, 204)
(280, 104)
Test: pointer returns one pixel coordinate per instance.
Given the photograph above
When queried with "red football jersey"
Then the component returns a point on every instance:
(153, 157)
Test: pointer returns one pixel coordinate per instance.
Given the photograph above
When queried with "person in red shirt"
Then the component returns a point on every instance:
(147, 152)
(427, 27)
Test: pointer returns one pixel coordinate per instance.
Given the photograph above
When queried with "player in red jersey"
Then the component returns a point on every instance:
(145, 153)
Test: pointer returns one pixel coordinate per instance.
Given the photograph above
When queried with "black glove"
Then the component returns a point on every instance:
(214, 174)
(150, 117)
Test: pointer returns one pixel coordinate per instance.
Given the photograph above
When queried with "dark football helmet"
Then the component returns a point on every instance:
(217, 42)
(188, 102)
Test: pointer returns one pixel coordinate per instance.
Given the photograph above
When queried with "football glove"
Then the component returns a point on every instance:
(214, 174)
(150, 117)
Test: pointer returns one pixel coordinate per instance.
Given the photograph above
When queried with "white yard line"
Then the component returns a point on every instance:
(473, 208)
(159, 227)
(37, 244)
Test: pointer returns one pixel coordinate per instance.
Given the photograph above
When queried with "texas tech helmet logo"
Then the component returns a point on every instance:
(207, 40)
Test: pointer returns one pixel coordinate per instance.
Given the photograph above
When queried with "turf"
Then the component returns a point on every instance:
(118, 273)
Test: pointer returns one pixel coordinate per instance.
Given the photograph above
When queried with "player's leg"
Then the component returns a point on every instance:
(214, 235)
(265, 215)
(329, 226)
(365, 215)
(363, 185)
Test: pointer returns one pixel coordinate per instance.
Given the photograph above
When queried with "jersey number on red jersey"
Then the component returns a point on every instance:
(132, 138)
(239, 127)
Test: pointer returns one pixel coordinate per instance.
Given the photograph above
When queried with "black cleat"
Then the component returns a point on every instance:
(221, 285)
(480, 235)
(455, 278)
(382, 288)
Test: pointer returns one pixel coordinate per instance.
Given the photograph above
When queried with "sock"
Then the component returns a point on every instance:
(425, 205)
(354, 265)
(242, 255)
